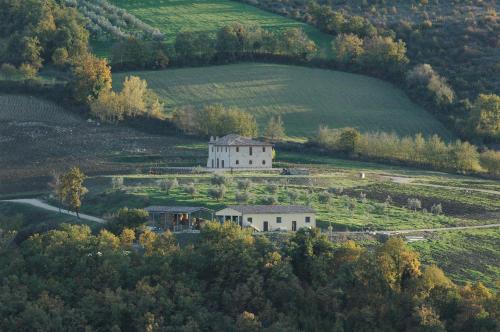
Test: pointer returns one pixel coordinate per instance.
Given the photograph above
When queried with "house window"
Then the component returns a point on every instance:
(250, 162)
(278, 220)
(308, 219)
(237, 162)
(237, 149)
(226, 148)
(249, 220)
(212, 149)
(263, 162)
(251, 152)
(263, 149)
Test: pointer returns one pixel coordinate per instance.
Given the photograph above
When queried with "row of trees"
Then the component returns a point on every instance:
(106, 21)
(228, 280)
(218, 120)
(215, 120)
(430, 152)
(230, 43)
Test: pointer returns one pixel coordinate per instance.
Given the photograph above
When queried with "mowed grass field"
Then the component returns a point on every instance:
(305, 97)
(173, 16)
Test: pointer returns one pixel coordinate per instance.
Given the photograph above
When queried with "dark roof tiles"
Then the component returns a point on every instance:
(233, 139)
(272, 208)
(175, 209)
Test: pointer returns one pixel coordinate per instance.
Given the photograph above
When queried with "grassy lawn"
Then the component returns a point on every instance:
(17, 216)
(173, 16)
(465, 255)
(305, 97)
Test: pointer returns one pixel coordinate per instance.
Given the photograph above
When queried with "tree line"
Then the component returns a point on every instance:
(431, 152)
(230, 43)
(131, 279)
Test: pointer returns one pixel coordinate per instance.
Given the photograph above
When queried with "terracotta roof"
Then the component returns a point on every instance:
(272, 209)
(233, 139)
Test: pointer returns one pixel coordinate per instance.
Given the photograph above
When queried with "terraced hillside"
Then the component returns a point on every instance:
(38, 137)
(305, 97)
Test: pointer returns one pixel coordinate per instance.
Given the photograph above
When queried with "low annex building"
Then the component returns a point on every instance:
(179, 218)
(266, 218)
(235, 151)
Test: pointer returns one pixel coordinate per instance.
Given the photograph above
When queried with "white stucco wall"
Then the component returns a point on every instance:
(259, 219)
(239, 156)
(286, 220)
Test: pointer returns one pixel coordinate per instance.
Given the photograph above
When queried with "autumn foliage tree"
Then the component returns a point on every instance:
(72, 188)
(91, 77)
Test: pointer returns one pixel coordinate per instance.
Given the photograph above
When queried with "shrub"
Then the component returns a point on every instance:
(117, 182)
(60, 57)
(336, 190)
(272, 188)
(293, 195)
(218, 192)
(244, 184)
(28, 71)
(324, 197)
(242, 196)
(219, 180)
(8, 70)
(436, 209)
(490, 160)
(379, 208)
(350, 203)
(414, 204)
(270, 200)
(167, 185)
(191, 190)
(127, 218)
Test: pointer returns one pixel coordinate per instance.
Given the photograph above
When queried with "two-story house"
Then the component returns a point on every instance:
(235, 151)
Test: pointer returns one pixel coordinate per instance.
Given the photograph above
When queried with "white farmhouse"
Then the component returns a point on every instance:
(266, 218)
(234, 151)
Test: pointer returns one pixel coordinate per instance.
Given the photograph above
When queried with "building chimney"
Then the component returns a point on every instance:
(211, 138)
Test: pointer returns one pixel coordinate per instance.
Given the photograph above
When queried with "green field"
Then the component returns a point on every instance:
(465, 255)
(173, 16)
(305, 97)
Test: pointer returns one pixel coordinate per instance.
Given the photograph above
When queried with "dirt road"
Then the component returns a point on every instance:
(38, 203)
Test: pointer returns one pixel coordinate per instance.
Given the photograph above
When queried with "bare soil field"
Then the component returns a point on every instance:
(38, 137)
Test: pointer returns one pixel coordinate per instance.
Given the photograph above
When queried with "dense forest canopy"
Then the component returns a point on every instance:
(228, 280)
(38, 32)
